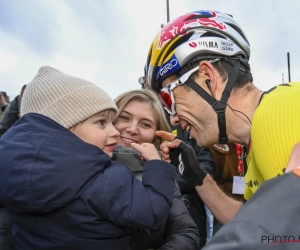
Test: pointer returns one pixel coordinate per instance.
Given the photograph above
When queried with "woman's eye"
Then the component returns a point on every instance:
(146, 125)
(124, 117)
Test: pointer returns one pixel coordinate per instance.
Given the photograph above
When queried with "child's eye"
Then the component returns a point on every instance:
(101, 122)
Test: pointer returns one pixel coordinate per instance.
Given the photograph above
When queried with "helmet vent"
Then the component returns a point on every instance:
(238, 30)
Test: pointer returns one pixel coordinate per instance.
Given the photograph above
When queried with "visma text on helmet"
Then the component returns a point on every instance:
(209, 44)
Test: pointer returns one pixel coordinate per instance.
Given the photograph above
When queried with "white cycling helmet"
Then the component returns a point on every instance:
(188, 37)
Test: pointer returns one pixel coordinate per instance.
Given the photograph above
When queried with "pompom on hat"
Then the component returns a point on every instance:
(66, 99)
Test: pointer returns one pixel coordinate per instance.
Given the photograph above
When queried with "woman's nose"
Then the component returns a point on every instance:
(132, 128)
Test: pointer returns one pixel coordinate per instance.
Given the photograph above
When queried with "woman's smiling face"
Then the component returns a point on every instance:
(136, 123)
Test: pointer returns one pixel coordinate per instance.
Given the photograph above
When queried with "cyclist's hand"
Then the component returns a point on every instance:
(183, 157)
(169, 138)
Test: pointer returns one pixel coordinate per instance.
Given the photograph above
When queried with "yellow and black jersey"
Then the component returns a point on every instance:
(274, 132)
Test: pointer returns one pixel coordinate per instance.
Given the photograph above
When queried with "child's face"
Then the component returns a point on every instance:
(99, 131)
(136, 123)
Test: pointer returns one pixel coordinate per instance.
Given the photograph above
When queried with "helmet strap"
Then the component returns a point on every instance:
(218, 106)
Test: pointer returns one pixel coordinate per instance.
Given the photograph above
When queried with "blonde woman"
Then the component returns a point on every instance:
(139, 116)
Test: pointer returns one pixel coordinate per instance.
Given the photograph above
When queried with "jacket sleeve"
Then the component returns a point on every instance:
(205, 159)
(271, 215)
(203, 154)
(131, 203)
(181, 231)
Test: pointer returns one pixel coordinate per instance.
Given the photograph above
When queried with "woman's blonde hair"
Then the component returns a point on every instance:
(147, 96)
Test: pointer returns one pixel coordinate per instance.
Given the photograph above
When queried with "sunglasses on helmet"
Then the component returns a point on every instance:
(166, 94)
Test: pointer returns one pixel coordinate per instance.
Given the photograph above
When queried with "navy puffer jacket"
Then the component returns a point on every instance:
(63, 193)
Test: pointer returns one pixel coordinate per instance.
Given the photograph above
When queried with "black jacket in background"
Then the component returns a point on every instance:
(191, 198)
(179, 231)
(10, 115)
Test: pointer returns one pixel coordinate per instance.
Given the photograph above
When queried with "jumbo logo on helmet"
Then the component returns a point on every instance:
(180, 24)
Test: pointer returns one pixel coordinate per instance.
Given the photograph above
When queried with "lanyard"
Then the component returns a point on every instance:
(239, 151)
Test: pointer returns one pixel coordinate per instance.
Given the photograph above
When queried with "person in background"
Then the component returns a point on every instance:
(10, 116)
(3, 102)
(139, 115)
(11, 113)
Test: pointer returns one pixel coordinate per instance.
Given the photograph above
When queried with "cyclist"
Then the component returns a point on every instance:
(199, 65)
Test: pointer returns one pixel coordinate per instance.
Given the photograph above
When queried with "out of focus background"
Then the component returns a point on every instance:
(107, 41)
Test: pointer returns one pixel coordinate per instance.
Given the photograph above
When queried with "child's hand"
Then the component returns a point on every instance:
(147, 151)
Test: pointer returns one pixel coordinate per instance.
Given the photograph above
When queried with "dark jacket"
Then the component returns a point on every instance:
(190, 196)
(63, 193)
(5, 230)
(10, 115)
(268, 218)
(179, 232)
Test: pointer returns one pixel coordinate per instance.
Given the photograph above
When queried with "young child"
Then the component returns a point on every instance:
(57, 180)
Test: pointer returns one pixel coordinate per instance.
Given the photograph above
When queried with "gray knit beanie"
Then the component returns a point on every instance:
(66, 99)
